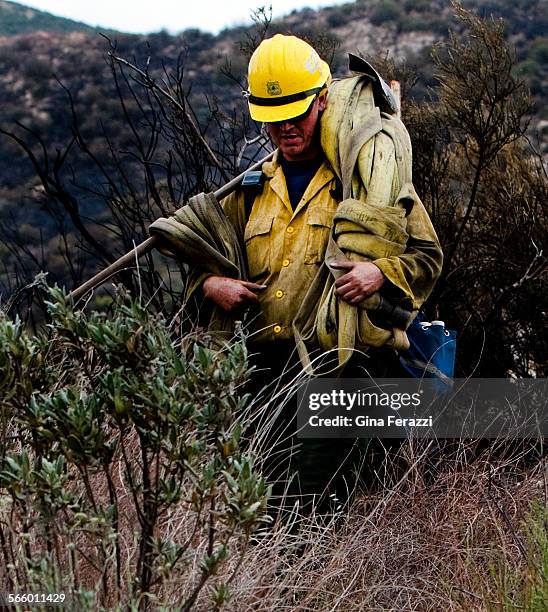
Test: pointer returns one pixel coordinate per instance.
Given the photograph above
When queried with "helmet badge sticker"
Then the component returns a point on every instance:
(312, 63)
(273, 88)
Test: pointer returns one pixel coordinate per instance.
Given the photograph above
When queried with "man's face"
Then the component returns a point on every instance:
(298, 139)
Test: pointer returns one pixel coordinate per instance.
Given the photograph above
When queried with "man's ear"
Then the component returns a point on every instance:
(322, 101)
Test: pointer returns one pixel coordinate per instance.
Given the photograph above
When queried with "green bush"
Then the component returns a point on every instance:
(533, 73)
(420, 23)
(536, 579)
(539, 52)
(35, 68)
(528, 588)
(420, 6)
(387, 10)
(121, 468)
(337, 17)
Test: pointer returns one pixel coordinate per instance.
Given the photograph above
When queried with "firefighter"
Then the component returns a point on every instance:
(287, 227)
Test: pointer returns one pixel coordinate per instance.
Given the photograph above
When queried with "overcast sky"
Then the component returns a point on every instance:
(142, 16)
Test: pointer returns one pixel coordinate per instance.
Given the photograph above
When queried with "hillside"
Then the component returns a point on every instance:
(18, 19)
(33, 64)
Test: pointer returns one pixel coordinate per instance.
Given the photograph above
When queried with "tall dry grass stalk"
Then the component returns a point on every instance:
(450, 534)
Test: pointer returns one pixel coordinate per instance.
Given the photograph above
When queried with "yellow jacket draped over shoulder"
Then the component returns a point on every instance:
(381, 219)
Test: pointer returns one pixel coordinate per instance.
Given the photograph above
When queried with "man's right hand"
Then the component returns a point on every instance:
(231, 294)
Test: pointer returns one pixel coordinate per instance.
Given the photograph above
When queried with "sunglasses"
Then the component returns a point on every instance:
(299, 117)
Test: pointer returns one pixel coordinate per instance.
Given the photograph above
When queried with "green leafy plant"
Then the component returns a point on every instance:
(121, 459)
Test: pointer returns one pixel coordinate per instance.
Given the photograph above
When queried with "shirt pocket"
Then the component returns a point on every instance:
(257, 238)
(320, 222)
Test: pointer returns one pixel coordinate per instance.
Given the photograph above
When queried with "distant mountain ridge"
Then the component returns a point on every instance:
(18, 19)
(46, 51)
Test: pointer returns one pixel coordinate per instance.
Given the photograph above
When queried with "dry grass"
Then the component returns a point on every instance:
(439, 526)
(442, 528)
(448, 535)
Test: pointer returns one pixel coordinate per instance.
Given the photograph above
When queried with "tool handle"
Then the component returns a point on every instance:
(150, 243)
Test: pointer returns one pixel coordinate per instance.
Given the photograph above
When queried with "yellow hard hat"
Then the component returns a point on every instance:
(285, 75)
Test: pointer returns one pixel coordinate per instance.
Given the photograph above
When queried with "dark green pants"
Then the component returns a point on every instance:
(321, 473)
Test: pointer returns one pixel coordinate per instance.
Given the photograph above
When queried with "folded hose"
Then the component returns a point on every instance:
(370, 152)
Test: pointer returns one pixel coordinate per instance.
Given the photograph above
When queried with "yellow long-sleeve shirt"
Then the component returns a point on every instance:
(285, 247)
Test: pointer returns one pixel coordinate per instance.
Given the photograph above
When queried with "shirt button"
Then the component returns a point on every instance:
(277, 329)
(279, 294)
(285, 263)
(290, 230)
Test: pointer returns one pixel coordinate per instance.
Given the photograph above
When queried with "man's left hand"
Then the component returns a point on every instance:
(362, 279)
